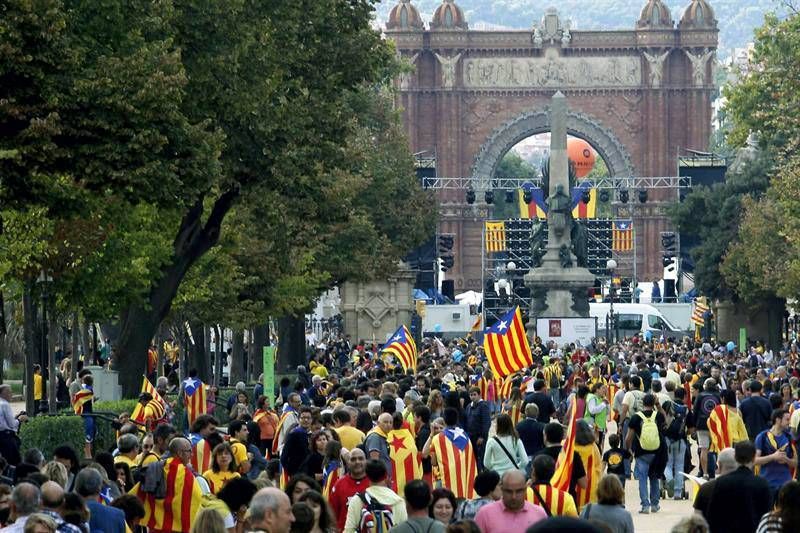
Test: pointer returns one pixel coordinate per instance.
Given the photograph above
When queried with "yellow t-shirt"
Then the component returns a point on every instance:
(239, 452)
(350, 437)
(320, 371)
(38, 388)
(126, 460)
(152, 457)
(217, 480)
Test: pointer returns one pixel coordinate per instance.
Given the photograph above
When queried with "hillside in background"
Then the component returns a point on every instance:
(737, 18)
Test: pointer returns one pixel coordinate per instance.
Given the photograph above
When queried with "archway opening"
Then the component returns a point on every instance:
(524, 161)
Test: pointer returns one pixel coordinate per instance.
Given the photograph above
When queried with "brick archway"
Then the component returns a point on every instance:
(531, 123)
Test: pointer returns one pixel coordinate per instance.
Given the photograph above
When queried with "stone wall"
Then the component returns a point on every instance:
(375, 309)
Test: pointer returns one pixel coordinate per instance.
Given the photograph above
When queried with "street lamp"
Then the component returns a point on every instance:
(611, 265)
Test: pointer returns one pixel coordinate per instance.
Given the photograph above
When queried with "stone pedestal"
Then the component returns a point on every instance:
(375, 309)
(106, 384)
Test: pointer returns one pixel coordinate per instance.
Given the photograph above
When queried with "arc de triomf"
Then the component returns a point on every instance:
(638, 96)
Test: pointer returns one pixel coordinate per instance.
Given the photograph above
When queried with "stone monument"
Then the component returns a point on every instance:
(559, 287)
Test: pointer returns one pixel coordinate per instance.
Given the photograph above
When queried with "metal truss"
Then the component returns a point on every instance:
(610, 182)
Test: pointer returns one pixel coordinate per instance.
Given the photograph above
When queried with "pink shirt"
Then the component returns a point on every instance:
(495, 518)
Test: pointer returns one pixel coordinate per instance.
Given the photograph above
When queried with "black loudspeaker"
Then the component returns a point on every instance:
(669, 291)
(449, 289)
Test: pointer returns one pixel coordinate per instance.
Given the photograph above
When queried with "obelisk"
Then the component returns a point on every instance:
(559, 289)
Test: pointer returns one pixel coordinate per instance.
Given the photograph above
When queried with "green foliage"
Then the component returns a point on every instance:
(712, 216)
(511, 166)
(116, 407)
(48, 432)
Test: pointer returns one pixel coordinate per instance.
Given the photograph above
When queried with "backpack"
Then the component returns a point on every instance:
(676, 423)
(649, 440)
(375, 516)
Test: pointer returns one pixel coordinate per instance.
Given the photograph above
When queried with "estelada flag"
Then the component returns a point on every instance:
(700, 309)
(287, 412)
(455, 459)
(403, 347)
(201, 453)
(505, 389)
(725, 427)
(330, 475)
(194, 398)
(506, 345)
(536, 208)
(622, 235)
(406, 462)
(177, 511)
(563, 473)
(82, 397)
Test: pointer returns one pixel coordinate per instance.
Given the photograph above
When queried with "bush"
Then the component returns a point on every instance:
(117, 407)
(49, 432)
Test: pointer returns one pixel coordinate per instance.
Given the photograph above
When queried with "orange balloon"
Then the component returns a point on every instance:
(582, 154)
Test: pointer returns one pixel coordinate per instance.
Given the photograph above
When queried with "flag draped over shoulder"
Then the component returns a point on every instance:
(406, 462)
(201, 453)
(194, 398)
(563, 474)
(611, 392)
(559, 502)
(725, 427)
(181, 505)
(403, 347)
(455, 460)
(81, 398)
(330, 475)
(506, 345)
(495, 236)
(287, 412)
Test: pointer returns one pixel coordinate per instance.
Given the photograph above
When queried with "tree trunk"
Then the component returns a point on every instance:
(220, 353)
(84, 332)
(140, 322)
(29, 321)
(237, 358)
(291, 343)
(76, 330)
(260, 340)
(197, 355)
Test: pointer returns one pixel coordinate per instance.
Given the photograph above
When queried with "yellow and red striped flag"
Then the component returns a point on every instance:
(138, 414)
(194, 398)
(725, 427)
(612, 391)
(201, 453)
(82, 397)
(276, 440)
(330, 475)
(700, 308)
(559, 502)
(563, 473)
(406, 462)
(506, 345)
(403, 347)
(504, 392)
(622, 236)
(495, 236)
(455, 459)
(177, 511)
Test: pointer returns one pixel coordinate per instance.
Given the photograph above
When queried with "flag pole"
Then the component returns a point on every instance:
(635, 280)
(483, 276)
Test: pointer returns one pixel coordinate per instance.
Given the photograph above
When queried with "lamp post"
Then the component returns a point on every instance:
(611, 265)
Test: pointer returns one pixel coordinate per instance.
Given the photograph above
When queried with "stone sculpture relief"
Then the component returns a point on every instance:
(448, 70)
(552, 71)
(656, 63)
(699, 66)
(405, 77)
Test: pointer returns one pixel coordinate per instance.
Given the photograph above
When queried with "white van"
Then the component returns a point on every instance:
(634, 319)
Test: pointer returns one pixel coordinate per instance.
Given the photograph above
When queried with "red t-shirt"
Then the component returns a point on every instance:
(342, 491)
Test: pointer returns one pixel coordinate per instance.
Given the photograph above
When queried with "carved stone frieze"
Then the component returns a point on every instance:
(552, 72)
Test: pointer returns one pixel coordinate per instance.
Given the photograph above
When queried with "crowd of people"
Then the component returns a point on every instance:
(356, 443)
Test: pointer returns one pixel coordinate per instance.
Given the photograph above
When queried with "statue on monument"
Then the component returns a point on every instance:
(564, 256)
(560, 210)
(580, 237)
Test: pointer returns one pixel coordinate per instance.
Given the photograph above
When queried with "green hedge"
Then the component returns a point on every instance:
(117, 407)
(48, 432)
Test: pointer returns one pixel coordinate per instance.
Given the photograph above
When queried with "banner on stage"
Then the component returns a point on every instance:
(566, 330)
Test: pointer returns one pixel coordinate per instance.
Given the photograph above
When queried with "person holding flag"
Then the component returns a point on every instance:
(152, 363)
(82, 405)
(289, 420)
(194, 396)
(202, 428)
(151, 408)
(453, 458)
(402, 346)
(506, 345)
(555, 502)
